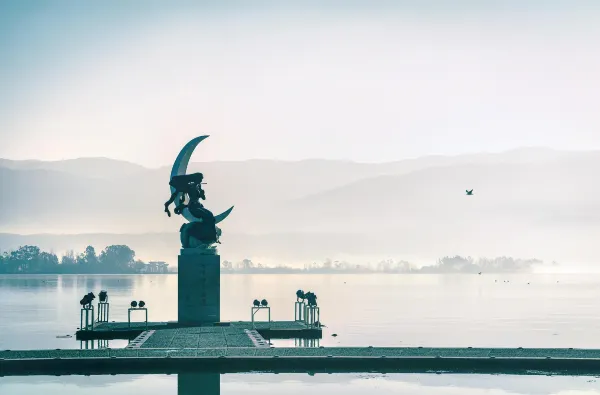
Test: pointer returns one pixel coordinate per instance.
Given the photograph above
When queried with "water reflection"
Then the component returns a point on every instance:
(301, 384)
(38, 312)
(101, 343)
(306, 343)
(65, 281)
(378, 384)
(198, 383)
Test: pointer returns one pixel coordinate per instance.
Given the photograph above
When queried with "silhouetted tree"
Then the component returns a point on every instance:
(117, 258)
(48, 263)
(88, 260)
(68, 259)
(138, 266)
(227, 266)
(29, 259)
(247, 264)
(3, 262)
(22, 259)
(89, 256)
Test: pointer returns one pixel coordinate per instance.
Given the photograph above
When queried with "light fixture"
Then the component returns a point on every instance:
(311, 298)
(86, 301)
(103, 296)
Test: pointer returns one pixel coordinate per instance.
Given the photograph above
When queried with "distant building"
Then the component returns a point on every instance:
(157, 267)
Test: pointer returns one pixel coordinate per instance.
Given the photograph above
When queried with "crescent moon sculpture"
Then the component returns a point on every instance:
(180, 168)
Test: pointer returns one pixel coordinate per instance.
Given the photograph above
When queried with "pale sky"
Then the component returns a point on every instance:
(367, 81)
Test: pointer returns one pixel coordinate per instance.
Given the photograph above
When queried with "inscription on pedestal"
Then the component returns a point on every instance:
(198, 288)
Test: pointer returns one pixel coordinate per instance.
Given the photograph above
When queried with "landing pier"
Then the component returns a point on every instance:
(232, 359)
(268, 330)
(244, 346)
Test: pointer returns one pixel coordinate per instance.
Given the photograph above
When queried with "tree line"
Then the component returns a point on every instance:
(448, 264)
(120, 259)
(114, 259)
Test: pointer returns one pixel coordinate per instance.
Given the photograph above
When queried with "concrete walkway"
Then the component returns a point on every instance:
(338, 359)
(242, 347)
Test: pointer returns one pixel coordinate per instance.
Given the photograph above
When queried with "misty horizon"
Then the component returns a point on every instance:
(417, 207)
(335, 129)
(515, 149)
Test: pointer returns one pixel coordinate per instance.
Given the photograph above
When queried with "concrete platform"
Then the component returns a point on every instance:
(117, 330)
(255, 359)
(269, 330)
(198, 337)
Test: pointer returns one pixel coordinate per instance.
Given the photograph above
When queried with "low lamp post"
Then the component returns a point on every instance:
(311, 311)
(87, 311)
(299, 306)
(103, 306)
(135, 306)
(257, 306)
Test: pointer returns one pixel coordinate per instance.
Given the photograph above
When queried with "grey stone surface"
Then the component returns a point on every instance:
(197, 251)
(198, 338)
(390, 352)
(233, 328)
(182, 353)
(198, 289)
(124, 353)
(279, 325)
(116, 326)
(210, 340)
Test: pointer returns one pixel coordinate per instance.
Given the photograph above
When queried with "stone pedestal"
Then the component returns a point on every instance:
(199, 287)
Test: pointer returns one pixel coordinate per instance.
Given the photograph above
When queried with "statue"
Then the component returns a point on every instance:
(198, 233)
(201, 231)
(182, 185)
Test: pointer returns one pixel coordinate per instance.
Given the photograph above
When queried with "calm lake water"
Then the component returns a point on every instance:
(561, 310)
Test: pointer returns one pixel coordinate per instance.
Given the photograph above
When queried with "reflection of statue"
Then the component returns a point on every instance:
(198, 383)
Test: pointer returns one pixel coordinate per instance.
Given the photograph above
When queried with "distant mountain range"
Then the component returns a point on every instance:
(527, 203)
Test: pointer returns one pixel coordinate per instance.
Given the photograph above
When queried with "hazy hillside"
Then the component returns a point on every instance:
(53, 201)
(527, 203)
(419, 246)
(85, 167)
(100, 195)
(559, 192)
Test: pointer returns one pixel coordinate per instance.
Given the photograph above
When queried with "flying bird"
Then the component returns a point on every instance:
(469, 193)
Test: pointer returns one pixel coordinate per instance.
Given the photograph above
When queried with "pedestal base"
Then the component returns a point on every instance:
(199, 287)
